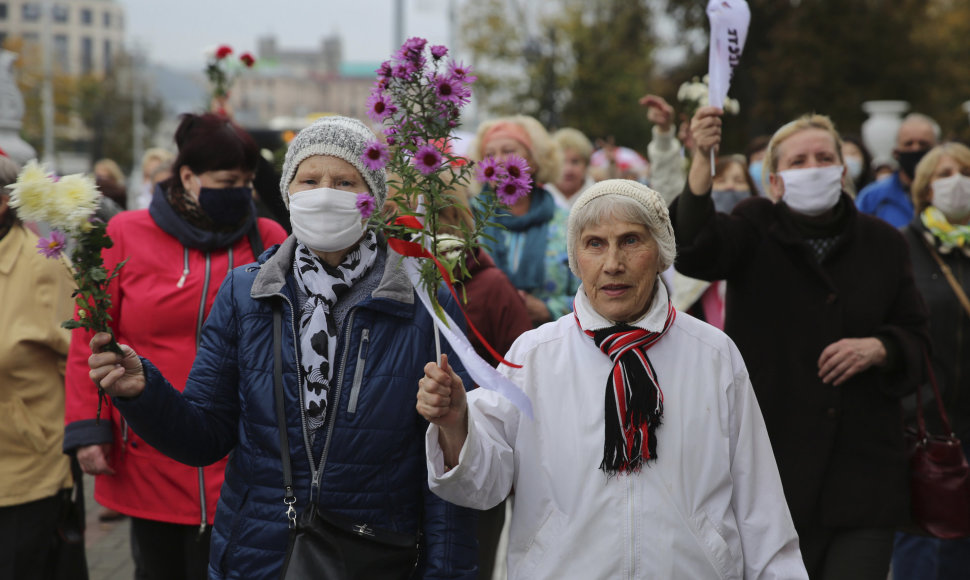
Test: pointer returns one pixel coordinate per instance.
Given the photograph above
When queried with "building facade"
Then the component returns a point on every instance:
(86, 36)
(294, 84)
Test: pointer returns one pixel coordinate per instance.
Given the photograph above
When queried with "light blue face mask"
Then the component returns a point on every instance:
(726, 199)
(855, 167)
(755, 171)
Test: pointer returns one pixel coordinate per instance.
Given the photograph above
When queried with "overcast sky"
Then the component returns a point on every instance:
(177, 32)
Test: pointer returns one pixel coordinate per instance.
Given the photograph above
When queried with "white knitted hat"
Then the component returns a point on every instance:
(658, 218)
(340, 137)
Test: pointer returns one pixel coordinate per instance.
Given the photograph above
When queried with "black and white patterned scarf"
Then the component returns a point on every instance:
(323, 286)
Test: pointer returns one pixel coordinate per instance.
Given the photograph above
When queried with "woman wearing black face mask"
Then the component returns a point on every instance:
(200, 225)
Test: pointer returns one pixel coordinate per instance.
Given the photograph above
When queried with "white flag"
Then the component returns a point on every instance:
(484, 374)
(729, 29)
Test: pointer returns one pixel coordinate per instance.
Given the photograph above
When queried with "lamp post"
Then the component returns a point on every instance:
(47, 86)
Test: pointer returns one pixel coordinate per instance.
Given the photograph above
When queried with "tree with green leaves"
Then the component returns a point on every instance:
(583, 64)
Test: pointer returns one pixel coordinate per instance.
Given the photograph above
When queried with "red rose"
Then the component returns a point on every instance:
(223, 51)
(247, 59)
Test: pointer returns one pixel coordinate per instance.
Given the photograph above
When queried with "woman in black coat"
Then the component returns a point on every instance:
(822, 304)
(941, 196)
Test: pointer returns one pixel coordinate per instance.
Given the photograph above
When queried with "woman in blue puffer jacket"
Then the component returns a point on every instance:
(354, 344)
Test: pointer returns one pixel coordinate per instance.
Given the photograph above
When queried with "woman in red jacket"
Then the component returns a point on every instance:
(200, 224)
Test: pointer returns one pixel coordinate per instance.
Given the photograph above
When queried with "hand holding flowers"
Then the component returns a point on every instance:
(68, 205)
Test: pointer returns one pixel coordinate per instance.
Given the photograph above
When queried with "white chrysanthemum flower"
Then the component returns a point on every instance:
(30, 194)
(450, 246)
(75, 199)
(732, 106)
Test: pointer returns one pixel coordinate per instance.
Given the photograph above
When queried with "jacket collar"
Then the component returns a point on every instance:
(275, 267)
(652, 321)
(785, 230)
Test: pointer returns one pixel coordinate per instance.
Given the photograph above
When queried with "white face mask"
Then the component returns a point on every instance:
(951, 195)
(855, 167)
(326, 220)
(812, 191)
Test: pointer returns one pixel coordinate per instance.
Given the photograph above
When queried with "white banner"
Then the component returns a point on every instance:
(485, 375)
(729, 29)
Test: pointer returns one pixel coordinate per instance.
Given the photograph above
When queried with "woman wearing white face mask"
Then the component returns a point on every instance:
(822, 304)
(353, 341)
(940, 233)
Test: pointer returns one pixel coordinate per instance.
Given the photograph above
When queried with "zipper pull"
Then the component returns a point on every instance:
(181, 281)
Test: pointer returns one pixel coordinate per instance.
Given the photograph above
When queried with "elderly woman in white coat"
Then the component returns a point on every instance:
(668, 475)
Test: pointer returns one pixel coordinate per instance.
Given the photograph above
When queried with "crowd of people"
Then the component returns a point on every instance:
(761, 324)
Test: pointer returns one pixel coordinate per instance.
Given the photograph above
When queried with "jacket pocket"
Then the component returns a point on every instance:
(22, 428)
(726, 562)
(359, 371)
(542, 545)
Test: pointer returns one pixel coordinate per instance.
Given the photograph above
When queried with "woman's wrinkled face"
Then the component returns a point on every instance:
(618, 262)
(502, 147)
(732, 179)
(327, 171)
(808, 148)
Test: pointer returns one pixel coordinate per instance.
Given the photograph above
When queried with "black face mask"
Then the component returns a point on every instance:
(908, 161)
(226, 206)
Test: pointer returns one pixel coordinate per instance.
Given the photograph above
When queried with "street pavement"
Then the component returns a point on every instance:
(106, 543)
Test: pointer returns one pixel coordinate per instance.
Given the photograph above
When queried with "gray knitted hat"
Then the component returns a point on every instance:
(657, 218)
(340, 137)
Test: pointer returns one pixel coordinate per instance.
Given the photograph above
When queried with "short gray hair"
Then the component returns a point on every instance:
(925, 119)
(626, 200)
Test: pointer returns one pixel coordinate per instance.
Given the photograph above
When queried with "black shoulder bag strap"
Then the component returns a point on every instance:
(255, 240)
(288, 497)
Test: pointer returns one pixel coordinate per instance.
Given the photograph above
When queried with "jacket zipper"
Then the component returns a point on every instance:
(198, 339)
(359, 371)
(318, 473)
(185, 268)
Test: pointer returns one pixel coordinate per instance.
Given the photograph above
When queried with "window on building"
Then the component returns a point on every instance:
(107, 20)
(86, 16)
(30, 12)
(60, 53)
(87, 55)
(3, 10)
(61, 13)
(107, 56)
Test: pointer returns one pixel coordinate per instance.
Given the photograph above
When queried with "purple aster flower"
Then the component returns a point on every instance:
(517, 168)
(509, 191)
(461, 71)
(384, 70)
(446, 88)
(380, 106)
(375, 155)
(487, 170)
(427, 159)
(365, 204)
(413, 46)
(53, 246)
(403, 69)
(438, 51)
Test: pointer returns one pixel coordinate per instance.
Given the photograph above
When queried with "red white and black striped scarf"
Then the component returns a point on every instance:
(634, 401)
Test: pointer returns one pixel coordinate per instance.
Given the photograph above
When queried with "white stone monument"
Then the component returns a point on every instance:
(879, 130)
(12, 112)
